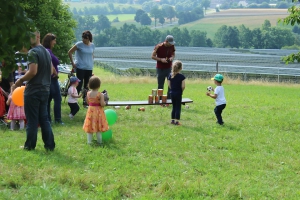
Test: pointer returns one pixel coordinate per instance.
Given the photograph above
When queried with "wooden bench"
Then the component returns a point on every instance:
(144, 103)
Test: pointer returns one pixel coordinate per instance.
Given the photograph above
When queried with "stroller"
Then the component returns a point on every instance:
(66, 84)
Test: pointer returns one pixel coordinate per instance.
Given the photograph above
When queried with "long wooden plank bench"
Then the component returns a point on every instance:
(145, 103)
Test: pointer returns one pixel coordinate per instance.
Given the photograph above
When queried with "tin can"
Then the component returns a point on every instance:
(156, 99)
(160, 92)
(150, 99)
(154, 92)
(164, 99)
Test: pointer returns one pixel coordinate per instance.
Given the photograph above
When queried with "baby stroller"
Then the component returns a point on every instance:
(65, 86)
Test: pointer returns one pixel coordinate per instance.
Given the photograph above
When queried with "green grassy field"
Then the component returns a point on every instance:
(255, 155)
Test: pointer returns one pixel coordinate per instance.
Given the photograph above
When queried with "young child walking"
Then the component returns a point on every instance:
(73, 96)
(219, 96)
(95, 120)
(15, 113)
(176, 84)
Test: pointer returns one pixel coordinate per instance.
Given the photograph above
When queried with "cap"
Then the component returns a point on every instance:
(218, 77)
(74, 79)
(170, 39)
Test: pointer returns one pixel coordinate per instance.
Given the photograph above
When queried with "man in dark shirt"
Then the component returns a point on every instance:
(36, 94)
(164, 54)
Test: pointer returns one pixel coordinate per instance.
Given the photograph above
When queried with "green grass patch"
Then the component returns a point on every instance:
(255, 155)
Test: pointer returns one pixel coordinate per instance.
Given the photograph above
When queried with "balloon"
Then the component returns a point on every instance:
(18, 96)
(111, 116)
(107, 135)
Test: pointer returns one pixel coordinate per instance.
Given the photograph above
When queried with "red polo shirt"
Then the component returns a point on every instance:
(164, 52)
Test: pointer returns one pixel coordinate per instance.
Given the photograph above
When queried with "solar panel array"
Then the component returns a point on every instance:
(250, 61)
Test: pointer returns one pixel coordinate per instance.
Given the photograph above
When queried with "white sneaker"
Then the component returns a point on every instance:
(71, 116)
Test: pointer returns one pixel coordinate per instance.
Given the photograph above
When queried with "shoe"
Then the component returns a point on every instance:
(71, 116)
(28, 148)
(178, 123)
(59, 122)
(173, 122)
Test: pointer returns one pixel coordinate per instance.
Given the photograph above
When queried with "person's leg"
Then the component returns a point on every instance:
(47, 134)
(89, 138)
(80, 75)
(52, 91)
(178, 107)
(162, 74)
(218, 112)
(99, 137)
(57, 100)
(12, 124)
(74, 108)
(31, 107)
(86, 78)
(173, 109)
(22, 124)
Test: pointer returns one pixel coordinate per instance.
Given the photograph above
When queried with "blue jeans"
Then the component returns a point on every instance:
(162, 74)
(218, 111)
(35, 106)
(176, 103)
(54, 94)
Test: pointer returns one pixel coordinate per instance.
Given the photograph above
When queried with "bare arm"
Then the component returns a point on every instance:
(154, 57)
(183, 85)
(70, 53)
(172, 57)
(214, 96)
(102, 102)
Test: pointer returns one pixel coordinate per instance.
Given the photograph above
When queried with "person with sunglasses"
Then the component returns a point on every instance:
(84, 61)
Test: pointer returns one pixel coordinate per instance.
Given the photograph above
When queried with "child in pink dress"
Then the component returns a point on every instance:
(15, 113)
(95, 120)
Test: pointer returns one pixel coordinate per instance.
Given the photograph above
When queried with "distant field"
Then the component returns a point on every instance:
(81, 5)
(251, 18)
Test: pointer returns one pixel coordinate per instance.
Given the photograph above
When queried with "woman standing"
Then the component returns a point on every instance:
(48, 42)
(84, 61)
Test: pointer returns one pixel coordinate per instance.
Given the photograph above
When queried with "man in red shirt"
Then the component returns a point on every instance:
(164, 54)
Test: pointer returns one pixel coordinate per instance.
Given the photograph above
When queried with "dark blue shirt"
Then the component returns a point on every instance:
(176, 83)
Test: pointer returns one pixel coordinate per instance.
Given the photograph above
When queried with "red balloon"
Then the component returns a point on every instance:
(18, 96)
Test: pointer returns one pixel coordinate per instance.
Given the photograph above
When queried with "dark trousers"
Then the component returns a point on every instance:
(74, 108)
(218, 111)
(35, 106)
(176, 103)
(162, 74)
(84, 77)
(56, 96)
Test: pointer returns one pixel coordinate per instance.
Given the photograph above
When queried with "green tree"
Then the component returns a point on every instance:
(161, 20)
(102, 23)
(169, 12)
(138, 15)
(53, 17)
(219, 36)
(198, 38)
(257, 39)
(145, 19)
(156, 13)
(292, 19)
(15, 27)
(245, 37)
(205, 4)
(266, 25)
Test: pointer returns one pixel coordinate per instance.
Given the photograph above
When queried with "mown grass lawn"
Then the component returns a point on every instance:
(255, 155)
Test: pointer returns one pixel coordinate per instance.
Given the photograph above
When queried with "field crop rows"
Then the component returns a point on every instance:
(203, 59)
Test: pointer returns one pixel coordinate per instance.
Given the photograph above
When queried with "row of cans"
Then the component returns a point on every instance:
(156, 95)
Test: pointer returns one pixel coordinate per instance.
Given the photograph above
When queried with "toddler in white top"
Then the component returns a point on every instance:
(73, 96)
(219, 96)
